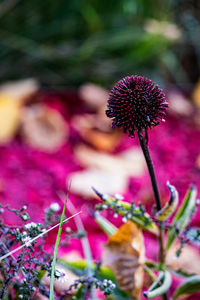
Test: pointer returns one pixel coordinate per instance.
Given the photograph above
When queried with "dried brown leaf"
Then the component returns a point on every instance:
(125, 255)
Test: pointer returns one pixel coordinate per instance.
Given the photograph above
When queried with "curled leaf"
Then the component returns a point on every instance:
(125, 255)
(183, 216)
(160, 286)
(170, 206)
(191, 285)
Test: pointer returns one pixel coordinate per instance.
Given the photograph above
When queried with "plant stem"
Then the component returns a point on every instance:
(144, 146)
(147, 156)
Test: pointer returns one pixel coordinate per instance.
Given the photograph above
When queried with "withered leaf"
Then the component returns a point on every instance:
(125, 255)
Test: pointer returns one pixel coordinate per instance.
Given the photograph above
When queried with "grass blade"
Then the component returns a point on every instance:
(51, 296)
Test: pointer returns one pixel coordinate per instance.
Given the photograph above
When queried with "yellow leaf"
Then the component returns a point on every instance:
(9, 118)
(125, 255)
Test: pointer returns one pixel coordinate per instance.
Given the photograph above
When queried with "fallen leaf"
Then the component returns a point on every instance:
(127, 163)
(182, 262)
(44, 128)
(82, 182)
(12, 97)
(19, 90)
(179, 104)
(109, 173)
(94, 95)
(95, 130)
(125, 255)
(10, 112)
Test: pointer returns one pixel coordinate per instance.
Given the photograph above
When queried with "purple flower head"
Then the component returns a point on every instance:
(135, 104)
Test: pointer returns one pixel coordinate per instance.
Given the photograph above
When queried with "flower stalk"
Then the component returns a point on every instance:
(136, 104)
(144, 145)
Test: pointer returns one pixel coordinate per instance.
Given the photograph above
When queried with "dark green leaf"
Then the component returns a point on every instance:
(191, 285)
(182, 273)
(183, 216)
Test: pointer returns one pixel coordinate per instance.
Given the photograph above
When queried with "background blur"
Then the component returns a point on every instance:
(67, 43)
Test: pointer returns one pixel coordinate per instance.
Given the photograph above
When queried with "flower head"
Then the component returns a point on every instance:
(135, 104)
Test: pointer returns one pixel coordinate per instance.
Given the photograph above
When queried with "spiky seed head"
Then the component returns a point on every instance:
(135, 104)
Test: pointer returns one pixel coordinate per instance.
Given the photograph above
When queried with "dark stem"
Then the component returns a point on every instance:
(147, 156)
(143, 142)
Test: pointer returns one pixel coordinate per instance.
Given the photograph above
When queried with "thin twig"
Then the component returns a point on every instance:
(35, 238)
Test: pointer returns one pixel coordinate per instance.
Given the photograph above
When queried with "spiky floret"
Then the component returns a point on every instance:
(135, 104)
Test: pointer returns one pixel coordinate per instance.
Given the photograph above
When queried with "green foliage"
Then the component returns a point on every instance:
(129, 211)
(101, 273)
(70, 42)
(183, 216)
(191, 285)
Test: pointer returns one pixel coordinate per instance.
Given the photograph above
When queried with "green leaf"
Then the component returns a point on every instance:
(138, 216)
(51, 295)
(191, 285)
(182, 273)
(193, 235)
(79, 268)
(183, 216)
(107, 226)
(156, 289)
